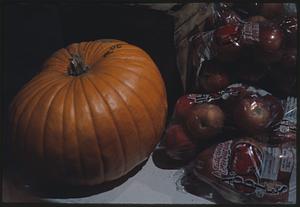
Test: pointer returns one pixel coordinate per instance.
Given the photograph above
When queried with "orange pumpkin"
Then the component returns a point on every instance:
(95, 111)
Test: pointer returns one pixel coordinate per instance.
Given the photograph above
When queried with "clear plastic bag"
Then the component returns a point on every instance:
(235, 129)
(246, 171)
(258, 54)
(273, 142)
(244, 111)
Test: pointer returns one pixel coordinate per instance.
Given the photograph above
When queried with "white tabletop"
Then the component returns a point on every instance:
(150, 185)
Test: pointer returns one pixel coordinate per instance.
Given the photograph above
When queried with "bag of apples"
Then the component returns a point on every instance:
(200, 120)
(247, 45)
(236, 125)
(240, 141)
(244, 170)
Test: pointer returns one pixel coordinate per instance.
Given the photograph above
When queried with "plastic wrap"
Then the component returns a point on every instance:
(235, 129)
(224, 13)
(243, 111)
(247, 171)
(258, 53)
(286, 130)
(197, 147)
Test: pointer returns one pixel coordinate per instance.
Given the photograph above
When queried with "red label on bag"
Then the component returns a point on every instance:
(221, 158)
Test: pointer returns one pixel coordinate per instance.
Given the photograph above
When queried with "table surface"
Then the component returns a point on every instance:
(150, 185)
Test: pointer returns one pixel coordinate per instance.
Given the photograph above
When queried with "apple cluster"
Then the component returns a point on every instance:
(206, 118)
(253, 43)
(219, 135)
(233, 122)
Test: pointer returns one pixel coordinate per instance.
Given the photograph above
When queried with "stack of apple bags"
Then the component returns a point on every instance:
(235, 128)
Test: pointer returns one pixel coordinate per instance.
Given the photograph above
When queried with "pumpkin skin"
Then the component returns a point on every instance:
(89, 127)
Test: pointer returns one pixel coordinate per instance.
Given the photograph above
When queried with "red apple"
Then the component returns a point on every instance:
(231, 101)
(246, 159)
(212, 77)
(211, 83)
(183, 104)
(227, 42)
(271, 10)
(252, 115)
(227, 34)
(204, 121)
(178, 144)
(268, 49)
(270, 37)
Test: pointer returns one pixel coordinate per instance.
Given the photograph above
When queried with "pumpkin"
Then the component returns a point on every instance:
(94, 112)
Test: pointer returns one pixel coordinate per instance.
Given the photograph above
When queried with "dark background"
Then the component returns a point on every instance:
(33, 31)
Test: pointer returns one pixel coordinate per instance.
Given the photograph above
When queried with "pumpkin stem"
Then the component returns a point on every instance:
(77, 66)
